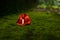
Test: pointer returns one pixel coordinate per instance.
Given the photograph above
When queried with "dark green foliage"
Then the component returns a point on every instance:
(8, 7)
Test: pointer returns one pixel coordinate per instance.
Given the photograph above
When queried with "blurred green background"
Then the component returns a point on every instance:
(44, 25)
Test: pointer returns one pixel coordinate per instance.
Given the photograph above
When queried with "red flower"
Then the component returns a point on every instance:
(23, 20)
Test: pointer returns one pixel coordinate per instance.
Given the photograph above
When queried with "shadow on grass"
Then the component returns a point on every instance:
(38, 36)
(52, 37)
(28, 35)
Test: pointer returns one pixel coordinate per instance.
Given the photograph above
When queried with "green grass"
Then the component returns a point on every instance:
(43, 27)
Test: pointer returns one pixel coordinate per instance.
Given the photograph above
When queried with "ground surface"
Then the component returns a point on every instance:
(43, 27)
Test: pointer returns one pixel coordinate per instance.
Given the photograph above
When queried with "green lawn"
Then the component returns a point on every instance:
(43, 27)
